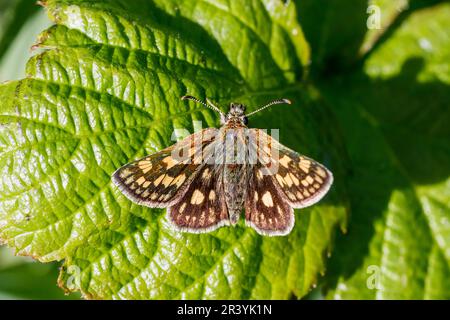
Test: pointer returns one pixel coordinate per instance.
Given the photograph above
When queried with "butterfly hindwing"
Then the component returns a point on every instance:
(266, 210)
(202, 208)
(160, 180)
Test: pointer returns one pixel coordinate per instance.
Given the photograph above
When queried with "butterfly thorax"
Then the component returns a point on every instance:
(235, 123)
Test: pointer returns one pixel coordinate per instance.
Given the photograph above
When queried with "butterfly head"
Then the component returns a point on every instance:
(236, 115)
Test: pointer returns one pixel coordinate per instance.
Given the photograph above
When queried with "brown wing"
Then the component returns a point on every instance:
(301, 180)
(202, 208)
(160, 180)
(266, 210)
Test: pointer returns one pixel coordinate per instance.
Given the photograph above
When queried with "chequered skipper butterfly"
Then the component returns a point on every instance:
(206, 179)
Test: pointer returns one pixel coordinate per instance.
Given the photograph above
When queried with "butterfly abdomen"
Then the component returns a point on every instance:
(235, 187)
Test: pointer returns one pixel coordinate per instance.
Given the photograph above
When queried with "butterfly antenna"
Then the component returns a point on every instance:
(279, 101)
(207, 104)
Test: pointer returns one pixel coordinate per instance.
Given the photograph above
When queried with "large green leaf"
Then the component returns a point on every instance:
(395, 117)
(108, 92)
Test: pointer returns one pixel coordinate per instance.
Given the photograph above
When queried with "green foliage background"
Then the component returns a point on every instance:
(104, 89)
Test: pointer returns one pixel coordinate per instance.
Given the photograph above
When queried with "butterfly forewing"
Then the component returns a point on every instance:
(160, 180)
(301, 181)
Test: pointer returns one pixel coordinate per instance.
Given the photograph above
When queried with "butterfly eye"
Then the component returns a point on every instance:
(245, 120)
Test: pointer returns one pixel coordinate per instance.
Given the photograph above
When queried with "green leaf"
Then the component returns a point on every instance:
(382, 14)
(395, 117)
(342, 32)
(20, 23)
(335, 29)
(107, 92)
(385, 16)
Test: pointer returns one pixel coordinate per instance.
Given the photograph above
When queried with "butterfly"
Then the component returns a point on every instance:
(208, 178)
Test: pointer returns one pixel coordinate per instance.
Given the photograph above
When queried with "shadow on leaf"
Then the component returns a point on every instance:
(396, 133)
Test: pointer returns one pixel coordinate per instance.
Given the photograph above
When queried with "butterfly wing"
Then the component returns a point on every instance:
(266, 210)
(202, 207)
(301, 181)
(281, 180)
(160, 180)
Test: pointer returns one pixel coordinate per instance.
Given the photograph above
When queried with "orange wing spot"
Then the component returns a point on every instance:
(145, 166)
(178, 181)
(140, 181)
(147, 169)
(160, 178)
(294, 179)
(206, 174)
(166, 181)
(267, 199)
(129, 180)
(143, 163)
(280, 179)
(170, 162)
(197, 197)
(284, 161)
(288, 180)
(321, 172)
(146, 184)
(125, 173)
(305, 165)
